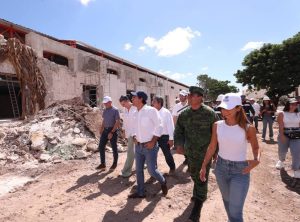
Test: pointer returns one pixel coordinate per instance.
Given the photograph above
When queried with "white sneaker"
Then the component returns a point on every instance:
(279, 165)
(297, 174)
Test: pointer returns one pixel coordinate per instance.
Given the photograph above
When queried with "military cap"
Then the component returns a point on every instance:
(197, 90)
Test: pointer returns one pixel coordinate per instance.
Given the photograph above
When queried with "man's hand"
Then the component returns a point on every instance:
(171, 143)
(180, 150)
(150, 145)
(110, 135)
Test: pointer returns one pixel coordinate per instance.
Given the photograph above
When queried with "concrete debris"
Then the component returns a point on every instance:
(45, 157)
(63, 131)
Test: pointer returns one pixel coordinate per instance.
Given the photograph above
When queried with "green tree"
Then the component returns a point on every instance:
(214, 87)
(274, 67)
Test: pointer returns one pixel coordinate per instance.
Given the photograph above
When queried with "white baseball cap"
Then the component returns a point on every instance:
(231, 100)
(183, 92)
(106, 99)
(266, 98)
(220, 98)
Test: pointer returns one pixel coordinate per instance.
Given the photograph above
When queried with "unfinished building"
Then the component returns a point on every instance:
(70, 69)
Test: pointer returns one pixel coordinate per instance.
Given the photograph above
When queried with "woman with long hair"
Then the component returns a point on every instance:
(232, 169)
(289, 136)
(267, 112)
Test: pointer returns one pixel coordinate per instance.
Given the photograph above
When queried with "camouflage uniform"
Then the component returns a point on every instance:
(193, 132)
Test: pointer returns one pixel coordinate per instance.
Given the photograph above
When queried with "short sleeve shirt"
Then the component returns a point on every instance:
(110, 116)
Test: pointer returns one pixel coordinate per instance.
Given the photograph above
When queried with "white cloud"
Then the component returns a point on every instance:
(173, 43)
(85, 2)
(127, 46)
(205, 68)
(175, 75)
(252, 45)
(142, 48)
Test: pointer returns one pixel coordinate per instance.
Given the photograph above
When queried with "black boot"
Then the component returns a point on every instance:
(195, 215)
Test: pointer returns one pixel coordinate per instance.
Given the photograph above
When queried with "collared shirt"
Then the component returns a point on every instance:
(167, 122)
(129, 120)
(147, 124)
(177, 109)
(110, 116)
(256, 108)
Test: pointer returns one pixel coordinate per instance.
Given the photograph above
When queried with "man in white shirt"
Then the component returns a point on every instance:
(179, 107)
(148, 128)
(165, 141)
(128, 125)
(256, 108)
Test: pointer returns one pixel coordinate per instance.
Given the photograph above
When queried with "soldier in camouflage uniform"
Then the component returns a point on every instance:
(193, 133)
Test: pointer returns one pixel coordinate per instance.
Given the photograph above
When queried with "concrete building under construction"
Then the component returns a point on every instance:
(68, 69)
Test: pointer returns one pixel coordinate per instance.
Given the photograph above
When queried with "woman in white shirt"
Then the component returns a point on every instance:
(289, 121)
(232, 169)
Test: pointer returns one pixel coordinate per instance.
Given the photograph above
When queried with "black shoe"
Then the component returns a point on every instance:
(136, 195)
(114, 166)
(195, 215)
(102, 166)
(164, 188)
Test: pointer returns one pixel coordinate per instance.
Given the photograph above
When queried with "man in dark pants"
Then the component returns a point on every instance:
(108, 130)
(165, 141)
(192, 137)
(247, 108)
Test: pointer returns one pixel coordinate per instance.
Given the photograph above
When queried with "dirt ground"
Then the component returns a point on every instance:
(74, 191)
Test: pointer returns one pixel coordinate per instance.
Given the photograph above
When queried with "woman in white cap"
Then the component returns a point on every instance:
(289, 136)
(232, 169)
(267, 112)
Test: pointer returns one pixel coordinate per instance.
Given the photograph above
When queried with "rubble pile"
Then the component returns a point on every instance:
(64, 130)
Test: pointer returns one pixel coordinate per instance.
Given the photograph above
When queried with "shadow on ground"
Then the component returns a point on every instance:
(292, 184)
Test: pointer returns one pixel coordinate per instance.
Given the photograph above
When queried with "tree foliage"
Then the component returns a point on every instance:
(274, 67)
(214, 87)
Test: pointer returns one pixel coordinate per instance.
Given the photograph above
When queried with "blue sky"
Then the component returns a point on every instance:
(179, 38)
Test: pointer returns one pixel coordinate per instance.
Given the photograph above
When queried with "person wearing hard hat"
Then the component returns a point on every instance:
(267, 112)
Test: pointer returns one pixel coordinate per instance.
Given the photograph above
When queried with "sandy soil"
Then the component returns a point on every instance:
(74, 191)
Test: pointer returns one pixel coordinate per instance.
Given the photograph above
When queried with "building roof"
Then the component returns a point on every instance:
(85, 47)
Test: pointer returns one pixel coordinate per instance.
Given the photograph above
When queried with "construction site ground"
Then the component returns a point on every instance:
(74, 191)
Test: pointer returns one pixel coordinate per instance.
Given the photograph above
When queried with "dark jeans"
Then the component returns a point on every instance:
(113, 142)
(256, 122)
(163, 144)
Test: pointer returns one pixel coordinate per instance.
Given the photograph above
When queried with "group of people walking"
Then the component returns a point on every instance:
(201, 134)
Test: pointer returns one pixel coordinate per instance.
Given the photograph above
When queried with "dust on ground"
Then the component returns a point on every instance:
(74, 191)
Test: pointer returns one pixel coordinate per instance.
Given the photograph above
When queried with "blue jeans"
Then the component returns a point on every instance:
(294, 146)
(113, 142)
(233, 186)
(163, 144)
(267, 121)
(142, 155)
(255, 119)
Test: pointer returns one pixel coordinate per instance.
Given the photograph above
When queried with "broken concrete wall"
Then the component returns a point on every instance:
(66, 82)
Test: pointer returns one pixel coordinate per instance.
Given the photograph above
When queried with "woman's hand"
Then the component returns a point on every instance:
(251, 165)
(203, 174)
